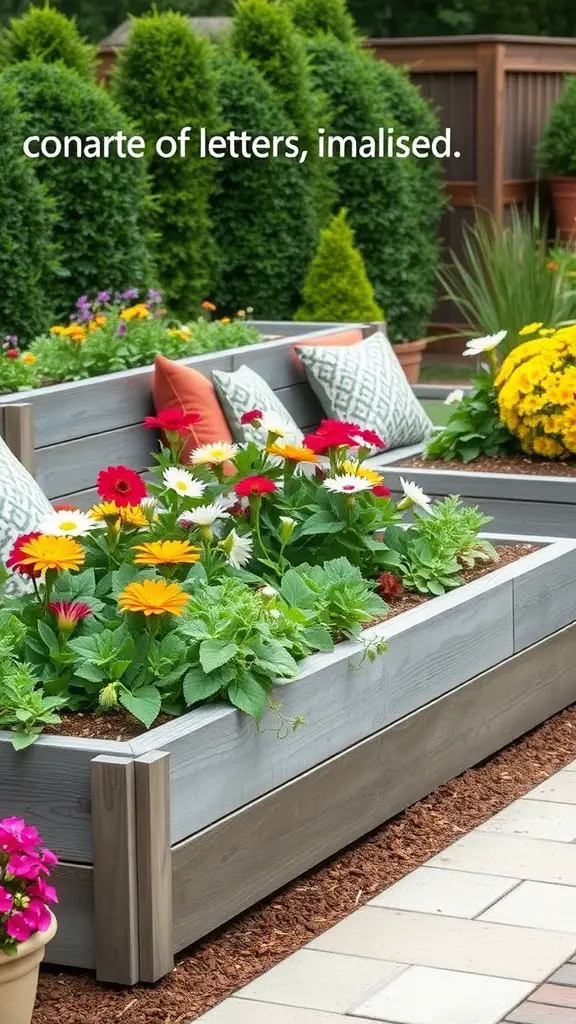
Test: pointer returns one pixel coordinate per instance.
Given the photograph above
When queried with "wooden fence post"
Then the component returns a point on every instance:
(19, 433)
(154, 859)
(115, 869)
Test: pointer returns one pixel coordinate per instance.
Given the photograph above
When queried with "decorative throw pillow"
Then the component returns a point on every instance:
(243, 391)
(181, 387)
(22, 507)
(365, 384)
(351, 337)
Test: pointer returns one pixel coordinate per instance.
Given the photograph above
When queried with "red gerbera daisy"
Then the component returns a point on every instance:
(251, 417)
(121, 485)
(16, 555)
(254, 485)
(380, 491)
(69, 613)
(336, 436)
(173, 421)
(371, 438)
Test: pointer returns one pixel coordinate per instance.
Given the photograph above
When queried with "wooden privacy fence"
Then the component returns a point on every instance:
(495, 93)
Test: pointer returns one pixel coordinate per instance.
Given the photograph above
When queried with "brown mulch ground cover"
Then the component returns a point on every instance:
(121, 726)
(522, 464)
(277, 927)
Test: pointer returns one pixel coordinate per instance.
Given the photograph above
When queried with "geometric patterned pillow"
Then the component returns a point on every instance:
(365, 384)
(22, 507)
(244, 390)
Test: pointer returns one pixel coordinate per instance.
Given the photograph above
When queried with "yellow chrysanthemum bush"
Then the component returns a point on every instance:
(536, 388)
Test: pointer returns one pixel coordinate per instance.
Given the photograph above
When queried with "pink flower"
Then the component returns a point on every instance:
(48, 858)
(15, 834)
(6, 901)
(37, 915)
(253, 416)
(43, 891)
(22, 865)
(17, 927)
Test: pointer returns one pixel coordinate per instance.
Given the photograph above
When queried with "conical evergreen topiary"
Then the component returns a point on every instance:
(337, 286)
(47, 35)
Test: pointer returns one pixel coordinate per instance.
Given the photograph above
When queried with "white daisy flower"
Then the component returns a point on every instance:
(238, 548)
(204, 515)
(268, 592)
(275, 424)
(414, 495)
(347, 483)
(454, 397)
(214, 454)
(476, 346)
(68, 523)
(181, 481)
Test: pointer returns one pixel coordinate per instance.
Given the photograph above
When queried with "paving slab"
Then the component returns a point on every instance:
(538, 860)
(321, 981)
(430, 940)
(560, 788)
(537, 819)
(440, 891)
(537, 905)
(244, 1011)
(538, 1013)
(555, 995)
(424, 995)
(565, 976)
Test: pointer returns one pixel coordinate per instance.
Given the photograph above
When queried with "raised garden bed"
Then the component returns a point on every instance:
(529, 497)
(167, 836)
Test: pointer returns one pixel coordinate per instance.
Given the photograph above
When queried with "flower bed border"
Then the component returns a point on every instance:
(518, 502)
(464, 675)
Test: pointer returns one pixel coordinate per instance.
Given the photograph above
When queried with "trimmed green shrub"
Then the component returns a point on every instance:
(45, 34)
(337, 286)
(165, 81)
(26, 250)
(101, 204)
(318, 17)
(557, 149)
(379, 193)
(264, 216)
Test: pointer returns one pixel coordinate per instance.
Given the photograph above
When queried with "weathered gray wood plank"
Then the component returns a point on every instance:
(73, 945)
(152, 777)
(241, 859)
(114, 870)
(501, 486)
(63, 469)
(302, 404)
(545, 596)
(49, 784)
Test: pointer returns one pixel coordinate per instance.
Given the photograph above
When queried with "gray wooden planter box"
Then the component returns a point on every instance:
(519, 503)
(165, 838)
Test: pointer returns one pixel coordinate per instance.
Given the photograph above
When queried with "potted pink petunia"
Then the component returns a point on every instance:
(26, 922)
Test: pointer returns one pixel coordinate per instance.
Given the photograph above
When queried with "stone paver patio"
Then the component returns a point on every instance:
(484, 932)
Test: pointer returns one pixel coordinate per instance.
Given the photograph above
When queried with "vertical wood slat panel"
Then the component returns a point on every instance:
(152, 779)
(18, 431)
(115, 869)
(490, 127)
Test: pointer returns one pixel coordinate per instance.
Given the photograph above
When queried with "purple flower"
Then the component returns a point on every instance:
(130, 293)
(154, 297)
(10, 341)
(103, 297)
(121, 328)
(82, 302)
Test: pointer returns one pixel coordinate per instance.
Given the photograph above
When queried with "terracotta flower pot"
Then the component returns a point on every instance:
(410, 358)
(19, 977)
(563, 192)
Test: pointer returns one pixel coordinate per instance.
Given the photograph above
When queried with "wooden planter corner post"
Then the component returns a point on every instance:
(17, 429)
(131, 867)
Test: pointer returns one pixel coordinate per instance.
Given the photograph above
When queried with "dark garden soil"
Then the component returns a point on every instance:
(495, 464)
(121, 726)
(277, 927)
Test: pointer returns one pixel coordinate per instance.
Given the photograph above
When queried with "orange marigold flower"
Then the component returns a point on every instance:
(42, 553)
(153, 597)
(293, 452)
(209, 306)
(552, 265)
(166, 552)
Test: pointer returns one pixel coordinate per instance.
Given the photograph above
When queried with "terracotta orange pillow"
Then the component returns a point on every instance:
(181, 387)
(351, 337)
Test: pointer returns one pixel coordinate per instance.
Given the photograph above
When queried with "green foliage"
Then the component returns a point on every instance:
(165, 81)
(473, 427)
(101, 205)
(24, 707)
(465, 17)
(26, 250)
(323, 17)
(379, 194)
(264, 215)
(502, 281)
(45, 34)
(337, 286)
(343, 600)
(557, 149)
(451, 525)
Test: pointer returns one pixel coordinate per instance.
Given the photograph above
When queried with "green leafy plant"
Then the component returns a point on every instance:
(27, 253)
(337, 286)
(319, 17)
(164, 82)
(503, 281)
(474, 427)
(556, 151)
(102, 205)
(337, 592)
(450, 524)
(45, 34)
(24, 706)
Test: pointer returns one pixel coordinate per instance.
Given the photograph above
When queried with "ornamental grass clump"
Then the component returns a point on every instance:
(25, 892)
(215, 579)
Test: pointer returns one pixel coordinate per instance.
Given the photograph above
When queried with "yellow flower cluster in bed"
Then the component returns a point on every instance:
(536, 388)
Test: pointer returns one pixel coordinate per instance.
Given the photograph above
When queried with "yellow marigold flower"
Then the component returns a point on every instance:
(241, 314)
(356, 469)
(44, 552)
(29, 358)
(293, 452)
(166, 552)
(547, 447)
(129, 515)
(153, 597)
(183, 333)
(105, 510)
(546, 332)
(57, 329)
(531, 328)
(100, 319)
(138, 312)
(225, 320)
